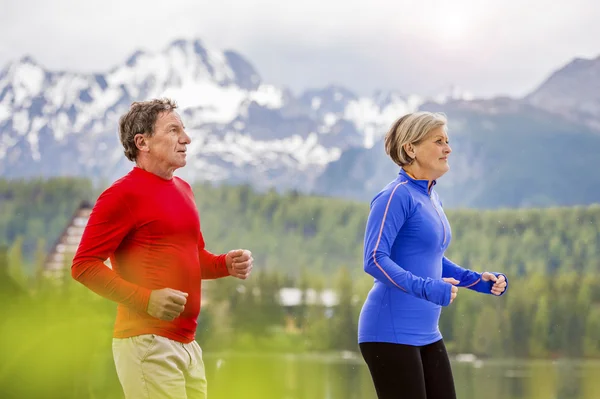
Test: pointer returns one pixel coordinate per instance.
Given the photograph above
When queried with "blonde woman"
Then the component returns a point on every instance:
(406, 236)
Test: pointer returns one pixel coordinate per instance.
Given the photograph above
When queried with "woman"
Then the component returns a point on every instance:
(406, 236)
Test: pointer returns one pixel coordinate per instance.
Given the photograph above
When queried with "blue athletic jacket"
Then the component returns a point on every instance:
(406, 236)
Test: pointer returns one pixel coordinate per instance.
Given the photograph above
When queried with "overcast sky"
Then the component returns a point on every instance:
(500, 47)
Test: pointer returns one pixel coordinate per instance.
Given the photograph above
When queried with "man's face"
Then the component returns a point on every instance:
(167, 147)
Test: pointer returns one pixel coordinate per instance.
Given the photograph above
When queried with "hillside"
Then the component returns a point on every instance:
(505, 154)
(292, 232)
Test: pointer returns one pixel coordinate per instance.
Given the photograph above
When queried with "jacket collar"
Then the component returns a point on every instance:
(420, 184)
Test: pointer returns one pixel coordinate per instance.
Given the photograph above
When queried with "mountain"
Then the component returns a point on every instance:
(506, 153)
(244, 130)
(539, 150)
(572, 92)
(326, 141)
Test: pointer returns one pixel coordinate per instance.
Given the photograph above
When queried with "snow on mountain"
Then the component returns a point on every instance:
(244, 130)
(373, 116)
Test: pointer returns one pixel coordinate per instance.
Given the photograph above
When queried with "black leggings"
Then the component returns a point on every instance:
(409, 372)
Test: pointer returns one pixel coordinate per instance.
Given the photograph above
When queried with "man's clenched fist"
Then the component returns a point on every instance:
(167, 303)
(239, 263)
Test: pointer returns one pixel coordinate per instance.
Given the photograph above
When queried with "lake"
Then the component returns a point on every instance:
(346, 377)
(264, 376)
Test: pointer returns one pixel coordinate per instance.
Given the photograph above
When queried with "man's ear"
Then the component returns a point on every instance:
(141, 142)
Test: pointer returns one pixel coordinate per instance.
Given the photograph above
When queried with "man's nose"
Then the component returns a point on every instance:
(186, 138)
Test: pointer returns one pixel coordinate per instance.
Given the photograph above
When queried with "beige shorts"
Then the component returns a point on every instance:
(153, 367)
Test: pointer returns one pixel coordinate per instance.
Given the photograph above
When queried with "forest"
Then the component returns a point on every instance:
(551, 257)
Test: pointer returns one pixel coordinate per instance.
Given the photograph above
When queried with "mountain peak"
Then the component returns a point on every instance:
(22, 79)
(580, 67)
(133, 58)
(195, 44)
(179, 43)
(572, 91)
(28, 59)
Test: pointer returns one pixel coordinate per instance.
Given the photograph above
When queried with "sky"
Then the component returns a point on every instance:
(484, 47)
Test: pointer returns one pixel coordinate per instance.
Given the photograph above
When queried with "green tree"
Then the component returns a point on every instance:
(16, 265)
(538, 340)
(344, 326)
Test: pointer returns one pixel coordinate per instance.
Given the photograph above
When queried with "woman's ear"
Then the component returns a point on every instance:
(410, 150)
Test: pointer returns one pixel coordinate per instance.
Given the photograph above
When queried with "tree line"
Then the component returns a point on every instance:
(551, 256)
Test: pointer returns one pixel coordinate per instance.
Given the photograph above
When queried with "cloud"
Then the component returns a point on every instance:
(487, 47)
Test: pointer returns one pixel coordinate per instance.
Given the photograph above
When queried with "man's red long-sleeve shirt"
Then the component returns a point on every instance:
(149, 227)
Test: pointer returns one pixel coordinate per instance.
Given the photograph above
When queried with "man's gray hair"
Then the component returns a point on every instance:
(140, 119)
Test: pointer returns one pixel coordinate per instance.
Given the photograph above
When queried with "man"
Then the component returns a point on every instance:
(148, 225)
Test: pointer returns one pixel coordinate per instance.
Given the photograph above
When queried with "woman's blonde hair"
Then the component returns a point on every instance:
(410, 129)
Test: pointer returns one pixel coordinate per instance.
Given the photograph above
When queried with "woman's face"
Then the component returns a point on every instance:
(431, 154)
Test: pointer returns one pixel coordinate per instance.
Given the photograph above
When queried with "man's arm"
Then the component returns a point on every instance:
(212, 266)
(109, 223)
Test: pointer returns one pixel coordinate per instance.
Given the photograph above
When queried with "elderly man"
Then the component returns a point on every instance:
(148, 225)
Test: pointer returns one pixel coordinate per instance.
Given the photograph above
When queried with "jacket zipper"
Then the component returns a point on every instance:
(440, 216)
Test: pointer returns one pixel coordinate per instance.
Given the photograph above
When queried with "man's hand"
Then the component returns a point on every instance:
(166, 304)
(239, 263)
(454, 291)
(499, 282)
